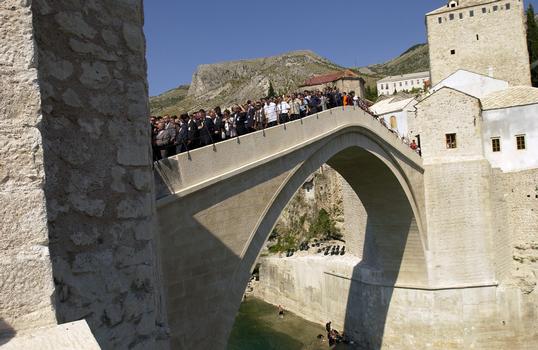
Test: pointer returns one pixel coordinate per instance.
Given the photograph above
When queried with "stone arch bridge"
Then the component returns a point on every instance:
(217, 206)
(83, 238)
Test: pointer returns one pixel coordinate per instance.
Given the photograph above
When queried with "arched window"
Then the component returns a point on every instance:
(452, 4)
(393, 122)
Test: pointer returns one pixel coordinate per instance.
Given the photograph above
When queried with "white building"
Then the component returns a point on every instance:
(406, 82)
(394, 112)
(510, 128)
(508, 119)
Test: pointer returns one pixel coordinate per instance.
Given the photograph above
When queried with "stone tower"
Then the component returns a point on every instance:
(482, 36)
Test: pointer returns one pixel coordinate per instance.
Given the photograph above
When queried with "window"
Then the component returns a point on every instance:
(461, 15)
(507, 6)
(471, 13)
(393, 122)
(495, 8)
(440, 19)
(477, 37)
(450, 141)
(451, 16)
(401, 83)
(520, 141)
(496, 144)
(452, 52)
(484, 10)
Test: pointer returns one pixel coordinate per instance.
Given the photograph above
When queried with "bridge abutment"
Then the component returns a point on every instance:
(77, 182)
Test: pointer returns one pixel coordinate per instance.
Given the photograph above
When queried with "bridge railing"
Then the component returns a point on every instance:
(191, 170)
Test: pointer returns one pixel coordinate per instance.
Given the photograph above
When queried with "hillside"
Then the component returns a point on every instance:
(170, 98)
(231, 82)
(414, 59)
(223, 84)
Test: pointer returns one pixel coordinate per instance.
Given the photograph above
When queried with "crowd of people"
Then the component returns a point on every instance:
(172, 135)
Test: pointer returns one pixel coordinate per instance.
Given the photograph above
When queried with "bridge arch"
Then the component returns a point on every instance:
(216, 267)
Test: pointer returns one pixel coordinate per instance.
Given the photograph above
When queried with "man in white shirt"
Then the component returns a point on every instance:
(270, 113)
(295, 107)
(283, 111)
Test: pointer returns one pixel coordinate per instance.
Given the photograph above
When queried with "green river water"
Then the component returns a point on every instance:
(258, 327)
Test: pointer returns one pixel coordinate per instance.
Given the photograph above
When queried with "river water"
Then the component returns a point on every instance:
(258, 327)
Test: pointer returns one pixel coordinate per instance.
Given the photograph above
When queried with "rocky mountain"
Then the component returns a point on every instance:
(227, 83)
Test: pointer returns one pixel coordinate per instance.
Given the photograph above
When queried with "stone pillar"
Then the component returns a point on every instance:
(355, 220)
(26, 285)
(77, 118)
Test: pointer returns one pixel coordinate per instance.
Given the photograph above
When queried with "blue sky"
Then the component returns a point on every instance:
(185, 33)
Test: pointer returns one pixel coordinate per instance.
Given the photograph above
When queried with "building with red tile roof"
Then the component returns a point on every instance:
(344, 80)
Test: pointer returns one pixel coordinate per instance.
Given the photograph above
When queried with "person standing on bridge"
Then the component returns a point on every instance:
(216, 117)
(314, 104)
(229, 125)
(193, 134)
(260, 122)
(182, 135)
(295, 107)
(240, 117)
(163, 139)
(250, 109)
(206, 128)
(304, 105)
(270, 113)
(283, 110)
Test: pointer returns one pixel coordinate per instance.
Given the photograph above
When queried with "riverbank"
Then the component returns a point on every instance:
(308, 285)
(340, 289)
(258, 327)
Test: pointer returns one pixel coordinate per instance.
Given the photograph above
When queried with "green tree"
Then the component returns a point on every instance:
(532, 43)
(371, 93)
(271, 93)
(324, 227)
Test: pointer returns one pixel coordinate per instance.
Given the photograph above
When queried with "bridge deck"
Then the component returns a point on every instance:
(188, 172)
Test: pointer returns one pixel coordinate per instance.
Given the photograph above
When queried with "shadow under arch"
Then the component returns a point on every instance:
(393, 218)
(6, 332)
(356, 153)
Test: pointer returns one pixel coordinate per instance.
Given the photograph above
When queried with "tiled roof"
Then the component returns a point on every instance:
(329, 78)
(511, 97)
(405, 77)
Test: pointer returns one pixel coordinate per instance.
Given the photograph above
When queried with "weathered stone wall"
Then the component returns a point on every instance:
(516, 202)
(448, 111)
(26, 285)
(380, 317)
(99, 184)
(355, 221)
(495, 39)
(458, 186)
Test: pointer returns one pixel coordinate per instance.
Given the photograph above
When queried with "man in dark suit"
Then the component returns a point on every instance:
(193, 134)
(240, 117)
(206, 128)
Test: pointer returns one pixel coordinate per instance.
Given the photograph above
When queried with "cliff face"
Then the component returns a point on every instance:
(323, 190)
